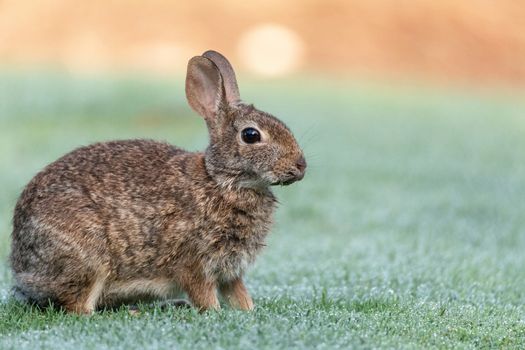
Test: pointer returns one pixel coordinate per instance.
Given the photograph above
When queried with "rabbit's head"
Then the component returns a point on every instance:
(248, 147)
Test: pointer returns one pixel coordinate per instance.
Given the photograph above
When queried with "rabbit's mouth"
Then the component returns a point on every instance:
(286, 178)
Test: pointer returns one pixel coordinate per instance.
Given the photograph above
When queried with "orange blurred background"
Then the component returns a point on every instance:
(478, 42)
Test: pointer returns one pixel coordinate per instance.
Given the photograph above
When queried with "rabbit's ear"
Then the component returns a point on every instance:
(228, 76)
(204, 89)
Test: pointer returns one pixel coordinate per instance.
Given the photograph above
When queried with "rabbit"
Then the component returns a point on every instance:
(135, 220)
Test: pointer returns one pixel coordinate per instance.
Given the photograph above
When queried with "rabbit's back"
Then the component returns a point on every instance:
(98, 178)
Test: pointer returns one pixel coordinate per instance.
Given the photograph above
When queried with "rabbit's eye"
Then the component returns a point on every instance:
(251, 135)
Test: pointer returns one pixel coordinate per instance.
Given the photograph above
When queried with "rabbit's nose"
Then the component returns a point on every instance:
(301, 164)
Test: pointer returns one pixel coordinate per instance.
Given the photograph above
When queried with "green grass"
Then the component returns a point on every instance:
(407, 232)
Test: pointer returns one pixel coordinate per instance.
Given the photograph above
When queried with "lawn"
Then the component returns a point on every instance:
(408, 231)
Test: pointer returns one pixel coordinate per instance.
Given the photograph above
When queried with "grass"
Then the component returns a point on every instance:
(408, 231)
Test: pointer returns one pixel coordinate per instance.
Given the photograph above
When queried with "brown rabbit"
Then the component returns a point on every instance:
(129, 220)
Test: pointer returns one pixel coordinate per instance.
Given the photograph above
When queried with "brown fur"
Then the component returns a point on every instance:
(136, 219)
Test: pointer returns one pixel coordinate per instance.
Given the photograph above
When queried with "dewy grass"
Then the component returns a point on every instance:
(407, 232)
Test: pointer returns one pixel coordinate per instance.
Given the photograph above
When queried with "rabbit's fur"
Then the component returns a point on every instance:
(129, 220)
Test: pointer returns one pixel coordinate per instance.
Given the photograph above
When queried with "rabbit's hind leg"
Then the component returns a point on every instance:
(88, 296)
(66, 268)
(79, 293)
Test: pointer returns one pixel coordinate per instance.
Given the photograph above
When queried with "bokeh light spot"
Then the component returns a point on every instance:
(271, 50)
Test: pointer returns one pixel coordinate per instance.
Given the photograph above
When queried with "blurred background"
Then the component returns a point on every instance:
(458, 41)
(411, 114)
(378, 92)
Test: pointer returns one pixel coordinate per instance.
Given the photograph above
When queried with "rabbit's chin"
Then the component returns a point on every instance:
(271, 179)
(284, 183)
